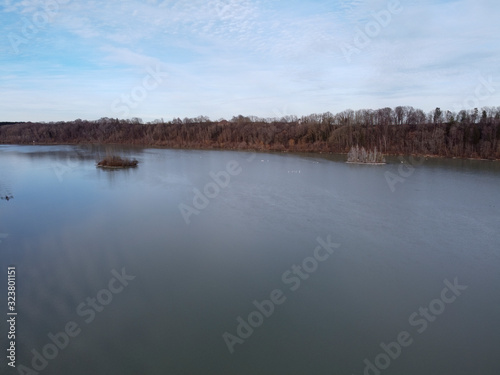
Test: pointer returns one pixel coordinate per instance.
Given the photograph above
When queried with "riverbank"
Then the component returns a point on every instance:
(468, 138)
(247, 149)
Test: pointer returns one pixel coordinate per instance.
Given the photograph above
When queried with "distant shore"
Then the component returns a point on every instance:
(321, 152)
(360, 162)
(467, 139)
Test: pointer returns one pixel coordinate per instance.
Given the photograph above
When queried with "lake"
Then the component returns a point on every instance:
(222, 262)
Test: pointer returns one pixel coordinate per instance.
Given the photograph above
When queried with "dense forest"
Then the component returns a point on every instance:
(402, 130)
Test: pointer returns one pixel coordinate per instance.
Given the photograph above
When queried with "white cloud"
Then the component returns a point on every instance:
(247, 56)
(125, 56)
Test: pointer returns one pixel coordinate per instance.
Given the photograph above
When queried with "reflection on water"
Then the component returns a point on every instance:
(5, 191)
(71, 224)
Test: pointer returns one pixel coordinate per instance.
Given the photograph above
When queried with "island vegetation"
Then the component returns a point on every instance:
(359, 155)
(403, 130)
(113, 161)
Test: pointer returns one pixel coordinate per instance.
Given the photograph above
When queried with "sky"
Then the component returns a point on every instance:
(154, 59)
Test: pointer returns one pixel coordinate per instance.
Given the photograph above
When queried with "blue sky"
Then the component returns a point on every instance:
(68, 59)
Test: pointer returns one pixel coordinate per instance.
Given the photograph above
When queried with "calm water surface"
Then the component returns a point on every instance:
(70, 227)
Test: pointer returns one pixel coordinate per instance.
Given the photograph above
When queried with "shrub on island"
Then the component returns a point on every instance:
(117, 162)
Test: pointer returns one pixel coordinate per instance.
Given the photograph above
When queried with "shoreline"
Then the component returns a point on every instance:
(110, 167)
(322, 152)
(360, 162)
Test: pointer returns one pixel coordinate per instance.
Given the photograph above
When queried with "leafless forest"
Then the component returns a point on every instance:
(402, 130)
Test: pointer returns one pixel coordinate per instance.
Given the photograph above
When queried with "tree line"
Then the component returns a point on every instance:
(403, 130)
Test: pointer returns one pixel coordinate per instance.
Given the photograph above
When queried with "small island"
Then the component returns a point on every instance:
(115, 162)
(360, 156)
